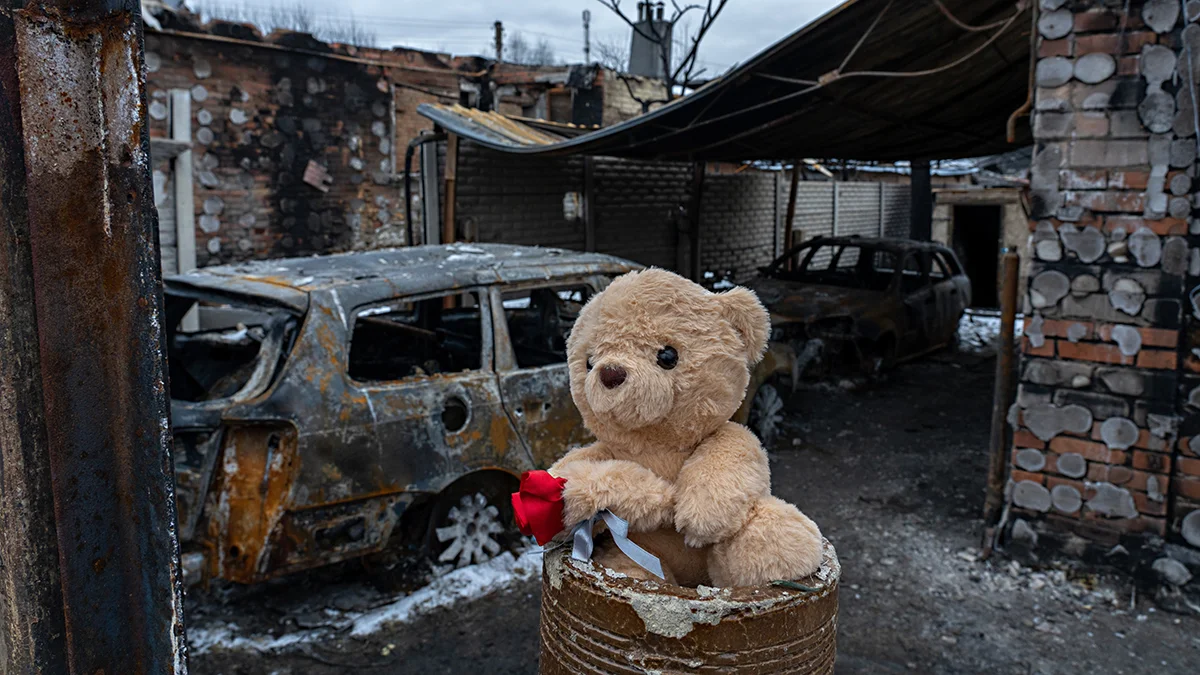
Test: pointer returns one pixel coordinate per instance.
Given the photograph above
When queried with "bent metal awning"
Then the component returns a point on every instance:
(876, 80)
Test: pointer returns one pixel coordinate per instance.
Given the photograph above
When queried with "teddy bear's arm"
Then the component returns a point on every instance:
(718, 484)
(595, 482)
(595, 452)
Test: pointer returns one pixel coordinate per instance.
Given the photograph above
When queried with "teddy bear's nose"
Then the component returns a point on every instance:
(612, 376)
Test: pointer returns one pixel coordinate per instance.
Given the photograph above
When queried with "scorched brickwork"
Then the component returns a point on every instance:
(1107, 421)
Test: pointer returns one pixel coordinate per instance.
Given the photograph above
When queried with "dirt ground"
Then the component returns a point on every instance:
(893, 473)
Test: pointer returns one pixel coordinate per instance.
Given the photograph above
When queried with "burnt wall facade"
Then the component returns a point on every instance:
(295, 147)
(1107, 420)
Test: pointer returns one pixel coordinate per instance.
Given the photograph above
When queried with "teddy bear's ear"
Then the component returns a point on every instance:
(741, 308)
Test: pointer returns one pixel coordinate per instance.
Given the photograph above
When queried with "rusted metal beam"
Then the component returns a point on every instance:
(1005, 384)
(90, 576)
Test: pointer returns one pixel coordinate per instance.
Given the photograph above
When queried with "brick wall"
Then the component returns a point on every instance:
(1106, 427)
(738, 217)
(259, 116)
(516, 200)
(640, 208)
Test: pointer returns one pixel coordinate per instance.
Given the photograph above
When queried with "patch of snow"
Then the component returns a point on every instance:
(457, 586)
(225, 636)
(479, 255)
(462, 584)
(979, 331)
(373, 311)
(304, 281)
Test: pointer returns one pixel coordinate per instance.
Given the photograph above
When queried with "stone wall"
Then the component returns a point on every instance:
(1107, 435)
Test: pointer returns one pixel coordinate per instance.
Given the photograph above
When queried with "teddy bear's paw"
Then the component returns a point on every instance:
(697, 534)
(580, 502)
(778, 542)
(703, 522)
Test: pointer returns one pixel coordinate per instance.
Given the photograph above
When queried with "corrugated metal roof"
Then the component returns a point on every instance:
(879, 80)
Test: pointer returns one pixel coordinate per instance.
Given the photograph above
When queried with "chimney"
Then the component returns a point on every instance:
(651, 39)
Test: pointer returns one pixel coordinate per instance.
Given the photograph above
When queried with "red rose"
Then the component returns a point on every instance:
(538, 506)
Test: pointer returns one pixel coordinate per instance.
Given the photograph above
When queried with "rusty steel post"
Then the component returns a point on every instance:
(90, 578)
(1005, 384)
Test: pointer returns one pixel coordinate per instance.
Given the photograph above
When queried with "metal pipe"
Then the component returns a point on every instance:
(91, 580)
(1005, 385)
(408, 155)
(1011, 127)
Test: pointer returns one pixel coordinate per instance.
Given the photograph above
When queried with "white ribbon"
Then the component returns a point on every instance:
(582, 536)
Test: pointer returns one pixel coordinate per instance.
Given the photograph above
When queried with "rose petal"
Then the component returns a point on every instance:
(519, 515)
(542, 484)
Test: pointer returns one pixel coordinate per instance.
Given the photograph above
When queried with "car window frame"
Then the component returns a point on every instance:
(487, 352)
(923, 268)
(504, 354)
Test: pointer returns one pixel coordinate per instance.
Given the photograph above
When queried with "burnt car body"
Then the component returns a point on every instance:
(332, 407)
(863, 302)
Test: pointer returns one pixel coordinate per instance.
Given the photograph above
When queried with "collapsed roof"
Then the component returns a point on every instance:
(877, 80)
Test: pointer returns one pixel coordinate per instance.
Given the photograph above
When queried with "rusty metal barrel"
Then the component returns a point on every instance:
(597, 621)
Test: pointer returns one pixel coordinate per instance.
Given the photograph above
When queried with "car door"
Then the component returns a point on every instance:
(531, 323)
(962, 299)
(947, 293)
(920, 304)
(422, 368)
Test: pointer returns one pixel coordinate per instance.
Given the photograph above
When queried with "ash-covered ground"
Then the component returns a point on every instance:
(892, 471)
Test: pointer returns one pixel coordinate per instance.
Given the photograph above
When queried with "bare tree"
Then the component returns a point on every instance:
(685, 69)
(521, 51)
(611, 54)
(295, 17)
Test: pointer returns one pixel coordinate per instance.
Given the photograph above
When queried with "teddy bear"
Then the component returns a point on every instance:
(658, 366)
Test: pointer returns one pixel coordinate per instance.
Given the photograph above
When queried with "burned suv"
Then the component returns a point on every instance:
(332, 407)
(866, 303)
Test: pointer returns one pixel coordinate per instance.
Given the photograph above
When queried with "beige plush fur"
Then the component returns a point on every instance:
(695, 487)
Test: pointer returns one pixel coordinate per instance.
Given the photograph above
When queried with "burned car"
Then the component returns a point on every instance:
(333, 407)
(852, 301)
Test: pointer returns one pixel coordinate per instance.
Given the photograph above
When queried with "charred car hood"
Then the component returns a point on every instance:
(794, 301)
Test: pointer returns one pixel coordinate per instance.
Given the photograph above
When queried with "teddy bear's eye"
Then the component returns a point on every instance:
(589, 363)
(668, 357)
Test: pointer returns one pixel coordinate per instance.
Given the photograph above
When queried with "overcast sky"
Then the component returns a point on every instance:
(744, 27)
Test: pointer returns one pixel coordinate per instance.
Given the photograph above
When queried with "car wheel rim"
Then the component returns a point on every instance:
(469, 532)
(766, 413)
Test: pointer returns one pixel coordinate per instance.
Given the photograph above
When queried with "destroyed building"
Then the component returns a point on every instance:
(282, 145)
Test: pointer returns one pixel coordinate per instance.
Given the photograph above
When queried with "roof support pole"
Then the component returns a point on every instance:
(450, 188)
(921, 224)
(791, 210)
(589, 203)
(695, 199)
(91, 580)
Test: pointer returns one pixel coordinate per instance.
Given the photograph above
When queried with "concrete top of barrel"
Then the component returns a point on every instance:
(673, 611)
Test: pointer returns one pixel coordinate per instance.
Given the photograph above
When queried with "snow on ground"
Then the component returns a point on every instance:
(461, 585)
(458, 586)
(979, 331)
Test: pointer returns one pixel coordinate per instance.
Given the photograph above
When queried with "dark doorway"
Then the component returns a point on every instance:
(977, 243)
